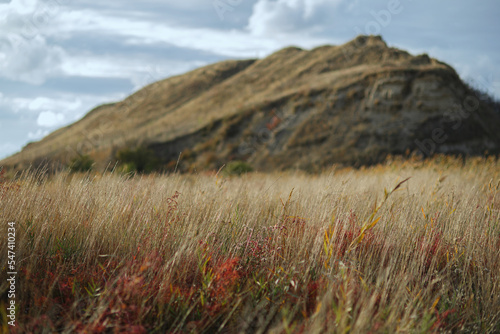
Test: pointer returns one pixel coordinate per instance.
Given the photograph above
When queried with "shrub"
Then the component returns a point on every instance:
(238, 168)
(140, 160)
(81, 163)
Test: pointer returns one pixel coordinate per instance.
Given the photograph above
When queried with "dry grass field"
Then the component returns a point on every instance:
(340, 252)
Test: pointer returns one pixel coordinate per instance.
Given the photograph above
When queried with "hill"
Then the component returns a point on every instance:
(351, 104)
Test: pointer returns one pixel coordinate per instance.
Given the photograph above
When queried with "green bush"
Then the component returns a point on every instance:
(82, 163)
(140, 160)
(238, 168)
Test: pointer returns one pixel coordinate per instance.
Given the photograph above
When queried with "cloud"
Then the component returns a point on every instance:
(25, 54)
(50, 119)
(138, 70)
(65, 105)
(38, 134)
(33, 37)
(136, 31)
(29, 61)
(286, 16)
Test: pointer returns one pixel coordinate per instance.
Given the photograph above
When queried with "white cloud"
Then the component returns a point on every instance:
(38, 134)
(64, 104)
(25, 54)
(286, 16)
(16, 8)
(133, 31)
(50, 119)
(138, 71)
(233, 43)
(15, 104)
(30, 61)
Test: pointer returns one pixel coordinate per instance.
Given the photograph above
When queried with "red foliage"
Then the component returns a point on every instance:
(434, 251)
(311, 298)
(67, 285)
(126, 297)
(258, 249)
(275, 121)
(226, 277)
(350, 232)
(225, 280)
(294, 226)
(441, 320)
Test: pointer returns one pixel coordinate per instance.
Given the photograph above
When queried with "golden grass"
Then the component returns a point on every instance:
(278, 253)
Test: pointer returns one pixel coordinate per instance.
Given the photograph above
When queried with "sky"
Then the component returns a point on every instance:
(61, 58)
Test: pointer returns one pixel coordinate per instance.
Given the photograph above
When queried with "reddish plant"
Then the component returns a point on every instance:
(441, 322)
(294, 226)
(226, 276)
(433, 250)
(225, 280)
(350, 231)
(275, 121)
(311, 298)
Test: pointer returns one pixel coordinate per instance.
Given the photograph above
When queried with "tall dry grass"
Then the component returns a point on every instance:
(279, 253)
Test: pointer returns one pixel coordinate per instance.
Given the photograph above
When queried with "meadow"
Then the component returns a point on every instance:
(401, 247)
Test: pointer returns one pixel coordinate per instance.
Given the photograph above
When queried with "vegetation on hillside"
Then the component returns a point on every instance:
(81, 163)
(347, 251)
(139, 159)
(238, 168)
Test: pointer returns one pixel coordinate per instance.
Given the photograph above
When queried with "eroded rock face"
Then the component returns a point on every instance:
(390, 111)
(350, 104)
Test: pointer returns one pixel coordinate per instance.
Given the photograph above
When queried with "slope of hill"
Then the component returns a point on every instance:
(350, 104)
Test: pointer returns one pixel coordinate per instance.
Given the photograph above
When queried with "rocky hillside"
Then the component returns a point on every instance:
(349, 104)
